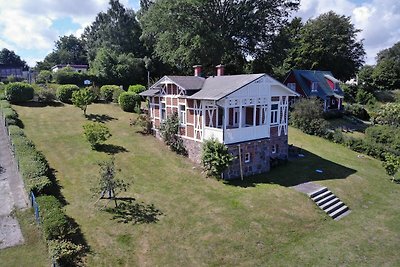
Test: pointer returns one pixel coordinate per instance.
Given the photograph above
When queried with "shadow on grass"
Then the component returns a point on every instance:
(111, 149)
(37, 104)
(103, 118)
(55, 188)
(78, 239)
(130, 211)
(296, 171)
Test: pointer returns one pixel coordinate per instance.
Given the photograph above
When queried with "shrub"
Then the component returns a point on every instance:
(19, 92)
(107, 92)
(33, 164)
(357, 111)
(96, 133)
(64, 251)
(143, 121)
(5, 104)
(169, 131)
(388, 114)
(116, 94)
(55, 223)
(46, 94)
(137, 88)
(15, 131)
(64, 92)
(215, 157)
(364, 97)
(44, 76)
(9, 113)
(129, 101)
(307, 116)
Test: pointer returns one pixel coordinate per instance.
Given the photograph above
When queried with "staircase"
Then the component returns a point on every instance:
(329, 203)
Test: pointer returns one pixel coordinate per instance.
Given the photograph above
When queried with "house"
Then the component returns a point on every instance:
(316, 83)
(248, 113)
(77, 68)
(7, 70)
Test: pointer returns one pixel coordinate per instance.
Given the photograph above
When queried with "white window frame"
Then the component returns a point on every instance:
(247, 157)
(274, 114)
(314, 87)
(182, 114)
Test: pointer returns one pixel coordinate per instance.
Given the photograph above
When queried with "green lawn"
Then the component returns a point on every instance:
(33, 252)
(259, 222)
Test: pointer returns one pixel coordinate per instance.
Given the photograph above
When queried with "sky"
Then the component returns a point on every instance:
(30, 27)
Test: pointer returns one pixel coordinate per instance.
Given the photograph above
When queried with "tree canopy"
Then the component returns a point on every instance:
(386, 74)
(8, 57)
(68, 50)
(328, 42)
(208, 32)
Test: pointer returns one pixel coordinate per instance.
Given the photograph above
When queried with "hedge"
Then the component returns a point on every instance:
(107, 92)
(19, 92)
(129, 101)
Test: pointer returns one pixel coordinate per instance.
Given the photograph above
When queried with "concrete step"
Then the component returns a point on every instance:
(339, 212)
(325, 200)
(334, 207)
(347, 212)
(321, 196)
(320, 191)
(329, 203)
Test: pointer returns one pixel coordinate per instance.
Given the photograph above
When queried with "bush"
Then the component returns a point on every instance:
(169, 131)
(307, 116)
(46, 94)
(364, 97)
(357, 111)
(116, 94)
(19, 92)
(64, 92)
(107, 92)
(96, 133)
(38, 185)
(44, 76)
(54, 222)
(388, 114)
(143, 121)
(15, 131)
(129, 101)
(137, 88)
(64, 251)
(215, 157)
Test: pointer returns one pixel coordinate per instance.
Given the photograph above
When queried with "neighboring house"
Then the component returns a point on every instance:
(316, 83)
(77, 68)
(248, 113)
(6, 71)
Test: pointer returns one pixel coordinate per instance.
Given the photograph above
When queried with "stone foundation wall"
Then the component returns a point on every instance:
(193, 149)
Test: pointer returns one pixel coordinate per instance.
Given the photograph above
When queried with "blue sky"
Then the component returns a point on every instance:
(30, 27)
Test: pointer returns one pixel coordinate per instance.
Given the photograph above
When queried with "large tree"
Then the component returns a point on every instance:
(68, 50)
(210, 32)
(329, 42)
(8, 57)
(117, 29)
(386, 74)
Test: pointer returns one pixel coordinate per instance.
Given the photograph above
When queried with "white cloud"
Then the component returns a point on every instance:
(378, 20)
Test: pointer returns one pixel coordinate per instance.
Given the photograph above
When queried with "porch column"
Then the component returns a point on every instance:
(226, 118)
(240, 114)
(254, 114)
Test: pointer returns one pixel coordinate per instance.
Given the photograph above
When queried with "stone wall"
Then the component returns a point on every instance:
(193, 149)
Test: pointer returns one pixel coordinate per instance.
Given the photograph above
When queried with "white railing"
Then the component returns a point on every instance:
(236, 135)
(214, 133)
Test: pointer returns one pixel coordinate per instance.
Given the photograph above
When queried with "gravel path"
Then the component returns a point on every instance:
(12, 194)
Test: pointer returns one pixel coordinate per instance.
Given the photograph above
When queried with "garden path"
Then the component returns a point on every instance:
(12, 194)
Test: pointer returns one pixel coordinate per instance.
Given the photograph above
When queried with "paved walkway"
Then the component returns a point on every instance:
(308, 188)
(12, 194)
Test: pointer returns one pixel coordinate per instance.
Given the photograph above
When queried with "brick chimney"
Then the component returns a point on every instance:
(220, 70)
(197, 70)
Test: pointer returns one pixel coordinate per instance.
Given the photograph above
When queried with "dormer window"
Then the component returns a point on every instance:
(314, 87)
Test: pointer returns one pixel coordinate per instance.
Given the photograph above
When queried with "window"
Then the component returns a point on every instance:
(236, 114)
(274, 149)
(247, 158)
(292, 86)
(162, 110)
(314, 87)
(274, 114)
(182, 114)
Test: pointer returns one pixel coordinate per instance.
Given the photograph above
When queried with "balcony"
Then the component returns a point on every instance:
(236, 135)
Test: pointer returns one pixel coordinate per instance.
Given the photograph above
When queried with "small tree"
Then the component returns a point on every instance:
(169, 131)
(391, 165)
(96, 133)
(108, 185)
(215, 157)
(83, 98)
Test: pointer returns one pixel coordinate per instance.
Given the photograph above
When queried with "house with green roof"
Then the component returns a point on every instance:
(320, 84)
